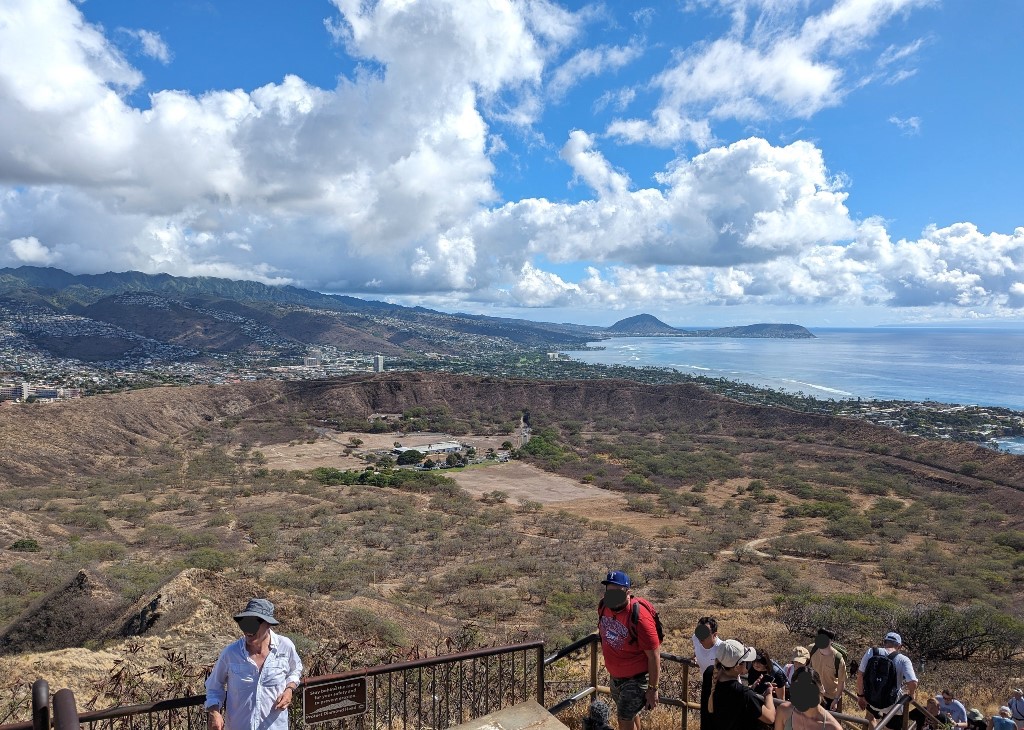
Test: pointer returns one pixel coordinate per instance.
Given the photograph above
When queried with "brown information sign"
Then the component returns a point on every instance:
(333, 700)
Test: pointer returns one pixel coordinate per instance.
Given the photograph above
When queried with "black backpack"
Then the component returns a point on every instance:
(634, 618)
(881, 680)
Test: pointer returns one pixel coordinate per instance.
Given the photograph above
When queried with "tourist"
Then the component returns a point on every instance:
(630, 645)
(1002, 720)
(884, 675)
(931, 718)
(953, 707)
(1016, 705)
(598, 717)
(254, 679)
(705, 645)
(976, 720)
(800, 657)
(805, 710)
(764, 670)
(830, 665)
(733, 706)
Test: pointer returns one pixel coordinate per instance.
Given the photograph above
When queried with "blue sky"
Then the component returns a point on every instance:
(712, 162)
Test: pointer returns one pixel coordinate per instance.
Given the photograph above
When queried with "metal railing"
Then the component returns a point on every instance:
(439, 692)
(435, 692)
(675, 678)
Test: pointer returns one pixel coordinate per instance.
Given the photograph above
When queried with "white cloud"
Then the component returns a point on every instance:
(746, 202)
(618, 99)
(151, 43)
(782, 64)
(536, 288)
(316, 181)
(385, 183)
(591, 62)
(957, 270)
(30, 251)
(909, 126)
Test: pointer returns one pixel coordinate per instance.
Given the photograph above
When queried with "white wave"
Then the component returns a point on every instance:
(1010, 445)
(823, 388)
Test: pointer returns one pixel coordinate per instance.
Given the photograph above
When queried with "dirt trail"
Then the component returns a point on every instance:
(751, 548)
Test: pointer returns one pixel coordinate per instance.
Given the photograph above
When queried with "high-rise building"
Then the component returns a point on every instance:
(378, 363)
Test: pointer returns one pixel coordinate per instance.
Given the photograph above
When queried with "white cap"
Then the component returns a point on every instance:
(730, 653)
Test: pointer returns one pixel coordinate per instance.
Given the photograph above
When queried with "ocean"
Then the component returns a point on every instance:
(947, 365)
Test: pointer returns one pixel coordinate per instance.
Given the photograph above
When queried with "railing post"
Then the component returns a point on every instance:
(540, 675)
(684, 693)
(40, 705)
(593, 661)
(65, 711)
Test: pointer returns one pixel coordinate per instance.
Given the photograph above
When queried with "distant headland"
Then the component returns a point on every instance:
(647, 325)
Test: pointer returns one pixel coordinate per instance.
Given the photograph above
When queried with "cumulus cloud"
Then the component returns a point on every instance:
(957, 270)
(384, 184)
(536, 288)
(30, 251)
(743, 203)
(231, 178)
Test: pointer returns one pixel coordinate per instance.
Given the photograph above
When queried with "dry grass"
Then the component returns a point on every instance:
(168, 479)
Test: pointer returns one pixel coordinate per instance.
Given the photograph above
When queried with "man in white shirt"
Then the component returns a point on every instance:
(906, 678)
(254, 679)
(705, 641)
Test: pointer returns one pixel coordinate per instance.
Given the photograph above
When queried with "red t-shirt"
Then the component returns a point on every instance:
(622, 657)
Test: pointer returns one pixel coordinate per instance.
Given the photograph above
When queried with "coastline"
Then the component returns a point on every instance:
(915, 381)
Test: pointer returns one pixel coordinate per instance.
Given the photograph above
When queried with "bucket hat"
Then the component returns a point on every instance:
(259, 608)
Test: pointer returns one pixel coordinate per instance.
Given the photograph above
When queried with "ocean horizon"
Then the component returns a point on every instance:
(966, 366)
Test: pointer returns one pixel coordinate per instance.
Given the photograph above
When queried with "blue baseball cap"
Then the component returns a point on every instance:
(892, 638)
(616, 578)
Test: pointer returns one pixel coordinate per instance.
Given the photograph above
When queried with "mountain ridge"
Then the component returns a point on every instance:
(133, 317)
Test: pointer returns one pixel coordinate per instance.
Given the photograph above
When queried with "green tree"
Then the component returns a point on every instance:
(412, 456)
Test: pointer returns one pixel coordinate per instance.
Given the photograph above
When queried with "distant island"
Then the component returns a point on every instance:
(647, 325)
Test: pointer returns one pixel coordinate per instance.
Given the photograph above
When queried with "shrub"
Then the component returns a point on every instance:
(210, 559)
(88, 551)
(640, 504)
(1011, 539)
(970, 468)
(849, 527)
(368, 624)
(25, 545)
